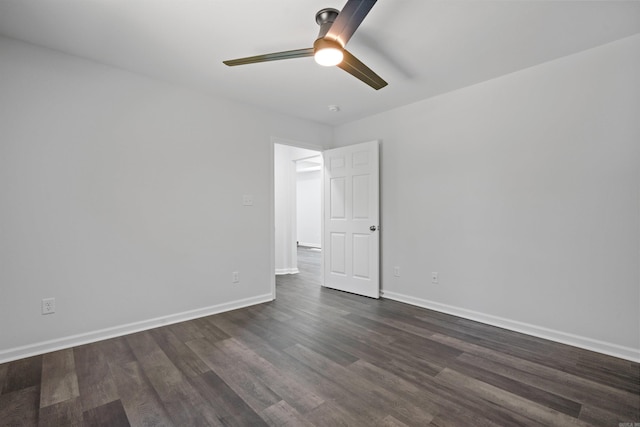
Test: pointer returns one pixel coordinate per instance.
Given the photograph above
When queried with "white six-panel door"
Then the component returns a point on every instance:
(351, 236)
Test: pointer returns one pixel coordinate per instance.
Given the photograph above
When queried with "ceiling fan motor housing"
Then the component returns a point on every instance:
(325, 18)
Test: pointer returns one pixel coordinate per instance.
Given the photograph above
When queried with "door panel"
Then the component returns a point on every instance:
(351, 219)
(337, 249)
(361, 197)
(361, 265)
(338, 201)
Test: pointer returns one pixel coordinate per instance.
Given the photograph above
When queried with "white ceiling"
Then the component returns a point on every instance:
(421, 47)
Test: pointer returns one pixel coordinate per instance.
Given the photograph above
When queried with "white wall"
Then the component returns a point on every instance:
(309, 214)
(523, 193)
(122, 198)
(285, 156)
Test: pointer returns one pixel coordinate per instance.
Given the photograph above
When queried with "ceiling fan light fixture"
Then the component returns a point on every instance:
(327, 52)
(336, 29)
(329, 56)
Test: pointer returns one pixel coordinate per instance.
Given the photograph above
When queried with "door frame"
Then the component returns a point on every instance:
(272, 206)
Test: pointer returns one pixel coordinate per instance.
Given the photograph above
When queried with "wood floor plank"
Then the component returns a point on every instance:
(139, 400)
(458, 408)
(390, 421)
(306, 305)
(22, 374)
(108, 415)
(95, 381)
(461, 417)
(601, 417)
(141, 344)
(322, 321)
(187, 331)
(67, 413)
(517, 404)
(445, 403)
(311, 380)
(20, 407)
(277, 334)
(386, 329)
(274, 313)
(534, 394)
(186, 407)
(524, 347)
(604, 370)
(332, 414)
(400, 387)
(567, 385)
(253, 391)
(209, 330)
(351, 340)
(407, 324)
(377, 396)
(336, 397)
(245, 336)
(230, 407)
(189, 364)
(59, 379)
(182, 402)
(415, 370)
(295, 395)
(4, 368)
(428, 349)
(288, 336)
(116, 350)
(283, 414)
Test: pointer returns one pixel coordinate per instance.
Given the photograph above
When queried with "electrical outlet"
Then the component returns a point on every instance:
(48, 305)
(396, 271)
(235, 277)
(434, 277)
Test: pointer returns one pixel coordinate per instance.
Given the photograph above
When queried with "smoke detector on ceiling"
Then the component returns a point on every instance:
(334, 108)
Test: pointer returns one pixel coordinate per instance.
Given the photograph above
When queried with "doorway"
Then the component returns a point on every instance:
(297, 204)
(349, 220)
(309, 202)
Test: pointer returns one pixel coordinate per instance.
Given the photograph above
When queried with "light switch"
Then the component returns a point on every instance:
(247, 200)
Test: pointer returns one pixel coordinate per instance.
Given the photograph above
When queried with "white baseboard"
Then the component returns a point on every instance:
(116, 331)
(615, 350)
(287, 271)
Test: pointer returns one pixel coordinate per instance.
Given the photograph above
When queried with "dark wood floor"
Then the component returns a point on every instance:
(326, 358)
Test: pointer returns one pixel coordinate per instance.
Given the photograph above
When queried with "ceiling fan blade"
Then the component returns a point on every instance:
(353, 66)
(349, 19)
(276, 56)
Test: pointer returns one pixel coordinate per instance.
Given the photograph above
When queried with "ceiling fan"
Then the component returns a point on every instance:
(336, 28)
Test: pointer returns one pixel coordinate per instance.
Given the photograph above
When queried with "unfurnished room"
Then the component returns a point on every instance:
(319, 213)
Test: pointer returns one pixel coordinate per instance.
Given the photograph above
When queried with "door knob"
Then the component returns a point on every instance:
(372, 228)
